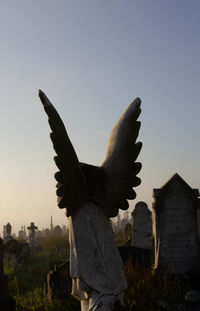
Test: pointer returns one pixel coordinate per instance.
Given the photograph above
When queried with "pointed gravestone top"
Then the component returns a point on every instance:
(173, 182)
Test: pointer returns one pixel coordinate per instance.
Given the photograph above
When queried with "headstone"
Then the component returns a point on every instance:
(142, 226)
(58, 283)
(7, 303)
(8, 230)
(3, 277)
(32, 236)
(175, 227)
(198, 217)
(22, 233)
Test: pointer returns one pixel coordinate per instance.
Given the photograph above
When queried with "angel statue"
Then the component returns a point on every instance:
(91, 195)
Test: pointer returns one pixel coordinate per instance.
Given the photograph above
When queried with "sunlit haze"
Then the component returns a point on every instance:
(92, 58)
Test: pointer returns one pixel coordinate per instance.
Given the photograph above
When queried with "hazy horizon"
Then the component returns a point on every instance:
(92, 58)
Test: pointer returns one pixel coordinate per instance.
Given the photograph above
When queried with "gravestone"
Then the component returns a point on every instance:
(7, 303)
(8, 230)
(58, 282)
(175, 227)
(22, 233)
(142, 226)
(32, 236)
(198, 217)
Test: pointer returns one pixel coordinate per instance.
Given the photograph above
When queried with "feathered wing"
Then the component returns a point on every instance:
(110, 185)
(71, 187)
(120, 166)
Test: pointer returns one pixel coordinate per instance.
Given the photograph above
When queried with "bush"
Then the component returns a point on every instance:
(153, 291)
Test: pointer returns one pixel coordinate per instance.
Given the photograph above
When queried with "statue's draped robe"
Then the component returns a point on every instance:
(95, 263)
(96, 266)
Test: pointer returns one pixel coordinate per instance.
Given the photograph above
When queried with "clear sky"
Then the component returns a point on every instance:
(92, 58)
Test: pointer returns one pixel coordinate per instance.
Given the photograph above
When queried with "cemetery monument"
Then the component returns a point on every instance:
(8, 230)
(142, 227)
(175, 227)
(91, 195)
(32, 236)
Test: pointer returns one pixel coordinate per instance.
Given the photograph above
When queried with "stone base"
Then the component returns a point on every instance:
(7, 303)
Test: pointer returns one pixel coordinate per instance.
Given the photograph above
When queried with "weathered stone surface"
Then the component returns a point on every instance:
(175, 227)
(142, 226)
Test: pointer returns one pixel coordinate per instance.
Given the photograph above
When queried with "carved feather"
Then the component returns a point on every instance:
(71, 186)
(119, 165)
(110, 185)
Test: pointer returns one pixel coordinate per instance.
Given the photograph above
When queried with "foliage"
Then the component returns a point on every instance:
(26, 281)
(57, 248)
(153, 291)
(147, 290)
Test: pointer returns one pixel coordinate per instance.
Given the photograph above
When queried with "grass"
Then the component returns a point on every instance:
(26, 282)
(147, 290)
(151, 290)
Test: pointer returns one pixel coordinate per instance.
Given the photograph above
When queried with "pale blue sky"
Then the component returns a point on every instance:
(92, 58)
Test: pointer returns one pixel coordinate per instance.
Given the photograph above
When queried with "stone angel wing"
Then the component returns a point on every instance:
(110, 185)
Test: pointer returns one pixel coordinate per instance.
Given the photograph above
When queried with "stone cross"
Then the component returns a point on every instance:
(32, 239)
(142, 226)
(175, 227)
(32, 229)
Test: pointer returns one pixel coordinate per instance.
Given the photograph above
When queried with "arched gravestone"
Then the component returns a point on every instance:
(142, 226)
(8, 230)
(175, 227)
